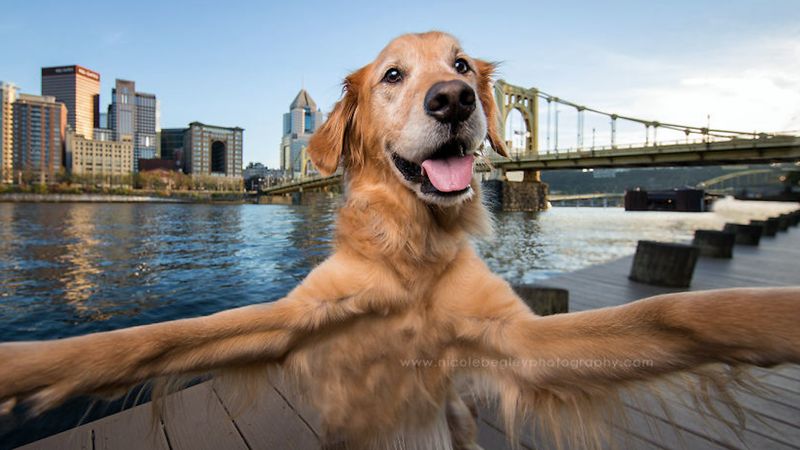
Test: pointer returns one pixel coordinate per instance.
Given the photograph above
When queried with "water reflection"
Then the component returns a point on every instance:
(74, 268)
(80, 252)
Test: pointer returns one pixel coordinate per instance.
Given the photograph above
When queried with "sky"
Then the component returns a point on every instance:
(241, 63)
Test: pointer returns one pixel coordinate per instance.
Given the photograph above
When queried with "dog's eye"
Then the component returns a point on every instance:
(461, 65)
(393, 75)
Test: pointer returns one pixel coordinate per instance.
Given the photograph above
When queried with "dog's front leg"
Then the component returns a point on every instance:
(569, 368)
(45, 373)
(602, 348)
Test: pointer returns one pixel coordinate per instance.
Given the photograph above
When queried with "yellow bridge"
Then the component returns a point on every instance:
(534, 146)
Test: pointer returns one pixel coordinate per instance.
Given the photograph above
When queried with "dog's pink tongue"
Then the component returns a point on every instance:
(450, 174)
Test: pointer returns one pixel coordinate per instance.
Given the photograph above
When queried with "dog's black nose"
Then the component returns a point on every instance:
(450, 101)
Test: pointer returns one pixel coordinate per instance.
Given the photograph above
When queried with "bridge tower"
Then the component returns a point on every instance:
(528, 194)
(526, 101)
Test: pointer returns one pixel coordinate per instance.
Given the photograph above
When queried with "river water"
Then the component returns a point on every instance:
(74, 268)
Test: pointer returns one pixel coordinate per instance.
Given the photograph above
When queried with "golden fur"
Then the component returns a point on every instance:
(405, 286)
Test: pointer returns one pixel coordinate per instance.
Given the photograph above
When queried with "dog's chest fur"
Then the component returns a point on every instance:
(391, 379)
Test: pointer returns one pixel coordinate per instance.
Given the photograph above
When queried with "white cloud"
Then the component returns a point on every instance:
(755, 86)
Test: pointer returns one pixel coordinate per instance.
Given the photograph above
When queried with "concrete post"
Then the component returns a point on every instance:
(714, 243)
(768, 227)
(544, 300)
(783, 222)
(745, 234)
(664, 264)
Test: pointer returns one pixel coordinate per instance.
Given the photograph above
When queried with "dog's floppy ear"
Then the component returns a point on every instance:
(331, 140)
(485, 71)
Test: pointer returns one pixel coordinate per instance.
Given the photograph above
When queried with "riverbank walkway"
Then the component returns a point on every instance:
(201, 417)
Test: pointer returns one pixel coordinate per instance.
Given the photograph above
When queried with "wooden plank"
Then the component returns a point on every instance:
(708, 426)
(775, 379)
(79, 438)
(790, 373)
(270, 422)
(772, 417)
(490, 437)
(658, 433)
(762, 424)
(623, 440)
(195, 420)
(769, 404)
(636, 430)
(294, 398)
(132, 429)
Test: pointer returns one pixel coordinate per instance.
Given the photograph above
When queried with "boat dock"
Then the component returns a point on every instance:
(201, 417)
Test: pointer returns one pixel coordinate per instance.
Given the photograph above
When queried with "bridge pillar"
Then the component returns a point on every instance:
(525, 195)
(529, 194)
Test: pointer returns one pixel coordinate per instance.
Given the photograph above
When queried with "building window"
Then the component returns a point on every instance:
(218, 156)
(309, 128)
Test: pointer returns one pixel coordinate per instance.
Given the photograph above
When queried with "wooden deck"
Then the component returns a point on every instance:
(205, 420)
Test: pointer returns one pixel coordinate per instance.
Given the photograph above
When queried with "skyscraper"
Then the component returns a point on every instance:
(8, 94)
(78, 88)
(146, 126)
(134, 115)
(302, 120)
(122, 110)
(172, 142)
(39, 126)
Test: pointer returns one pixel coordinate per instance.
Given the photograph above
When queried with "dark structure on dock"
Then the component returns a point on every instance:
(683, 200)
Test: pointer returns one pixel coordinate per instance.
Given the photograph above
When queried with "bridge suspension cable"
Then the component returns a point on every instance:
(688, 129)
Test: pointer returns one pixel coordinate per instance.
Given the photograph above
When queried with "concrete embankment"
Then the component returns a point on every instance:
(85, 198)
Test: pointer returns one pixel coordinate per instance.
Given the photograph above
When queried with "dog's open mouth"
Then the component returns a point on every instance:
(448, 172)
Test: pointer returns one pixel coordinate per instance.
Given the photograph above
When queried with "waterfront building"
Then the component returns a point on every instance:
(172, 142)
(39, 126)
(100, 157)
(302, 120)
(255, 170)
(134, 115)
(122, 110)
(258, 175)
(212, 150)
(145, 145)
(78, 88)
(8, 94)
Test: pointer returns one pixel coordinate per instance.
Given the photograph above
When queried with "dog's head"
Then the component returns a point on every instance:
(423, 109)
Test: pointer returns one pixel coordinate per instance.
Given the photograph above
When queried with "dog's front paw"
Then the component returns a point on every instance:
(33, 373)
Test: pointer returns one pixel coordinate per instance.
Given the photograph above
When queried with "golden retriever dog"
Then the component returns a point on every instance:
(377, 335)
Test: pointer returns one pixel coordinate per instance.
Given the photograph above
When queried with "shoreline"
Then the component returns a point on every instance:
(28, 197)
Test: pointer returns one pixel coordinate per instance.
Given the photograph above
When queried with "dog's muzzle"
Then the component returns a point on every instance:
(448, 172)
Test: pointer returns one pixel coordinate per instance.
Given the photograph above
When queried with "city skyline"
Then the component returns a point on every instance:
(737, 61)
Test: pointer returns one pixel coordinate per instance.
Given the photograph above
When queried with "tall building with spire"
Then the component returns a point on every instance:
(8, 94)
(302, 120)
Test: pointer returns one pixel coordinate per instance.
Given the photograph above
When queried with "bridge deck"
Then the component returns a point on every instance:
(695, 153)
(201, 417)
